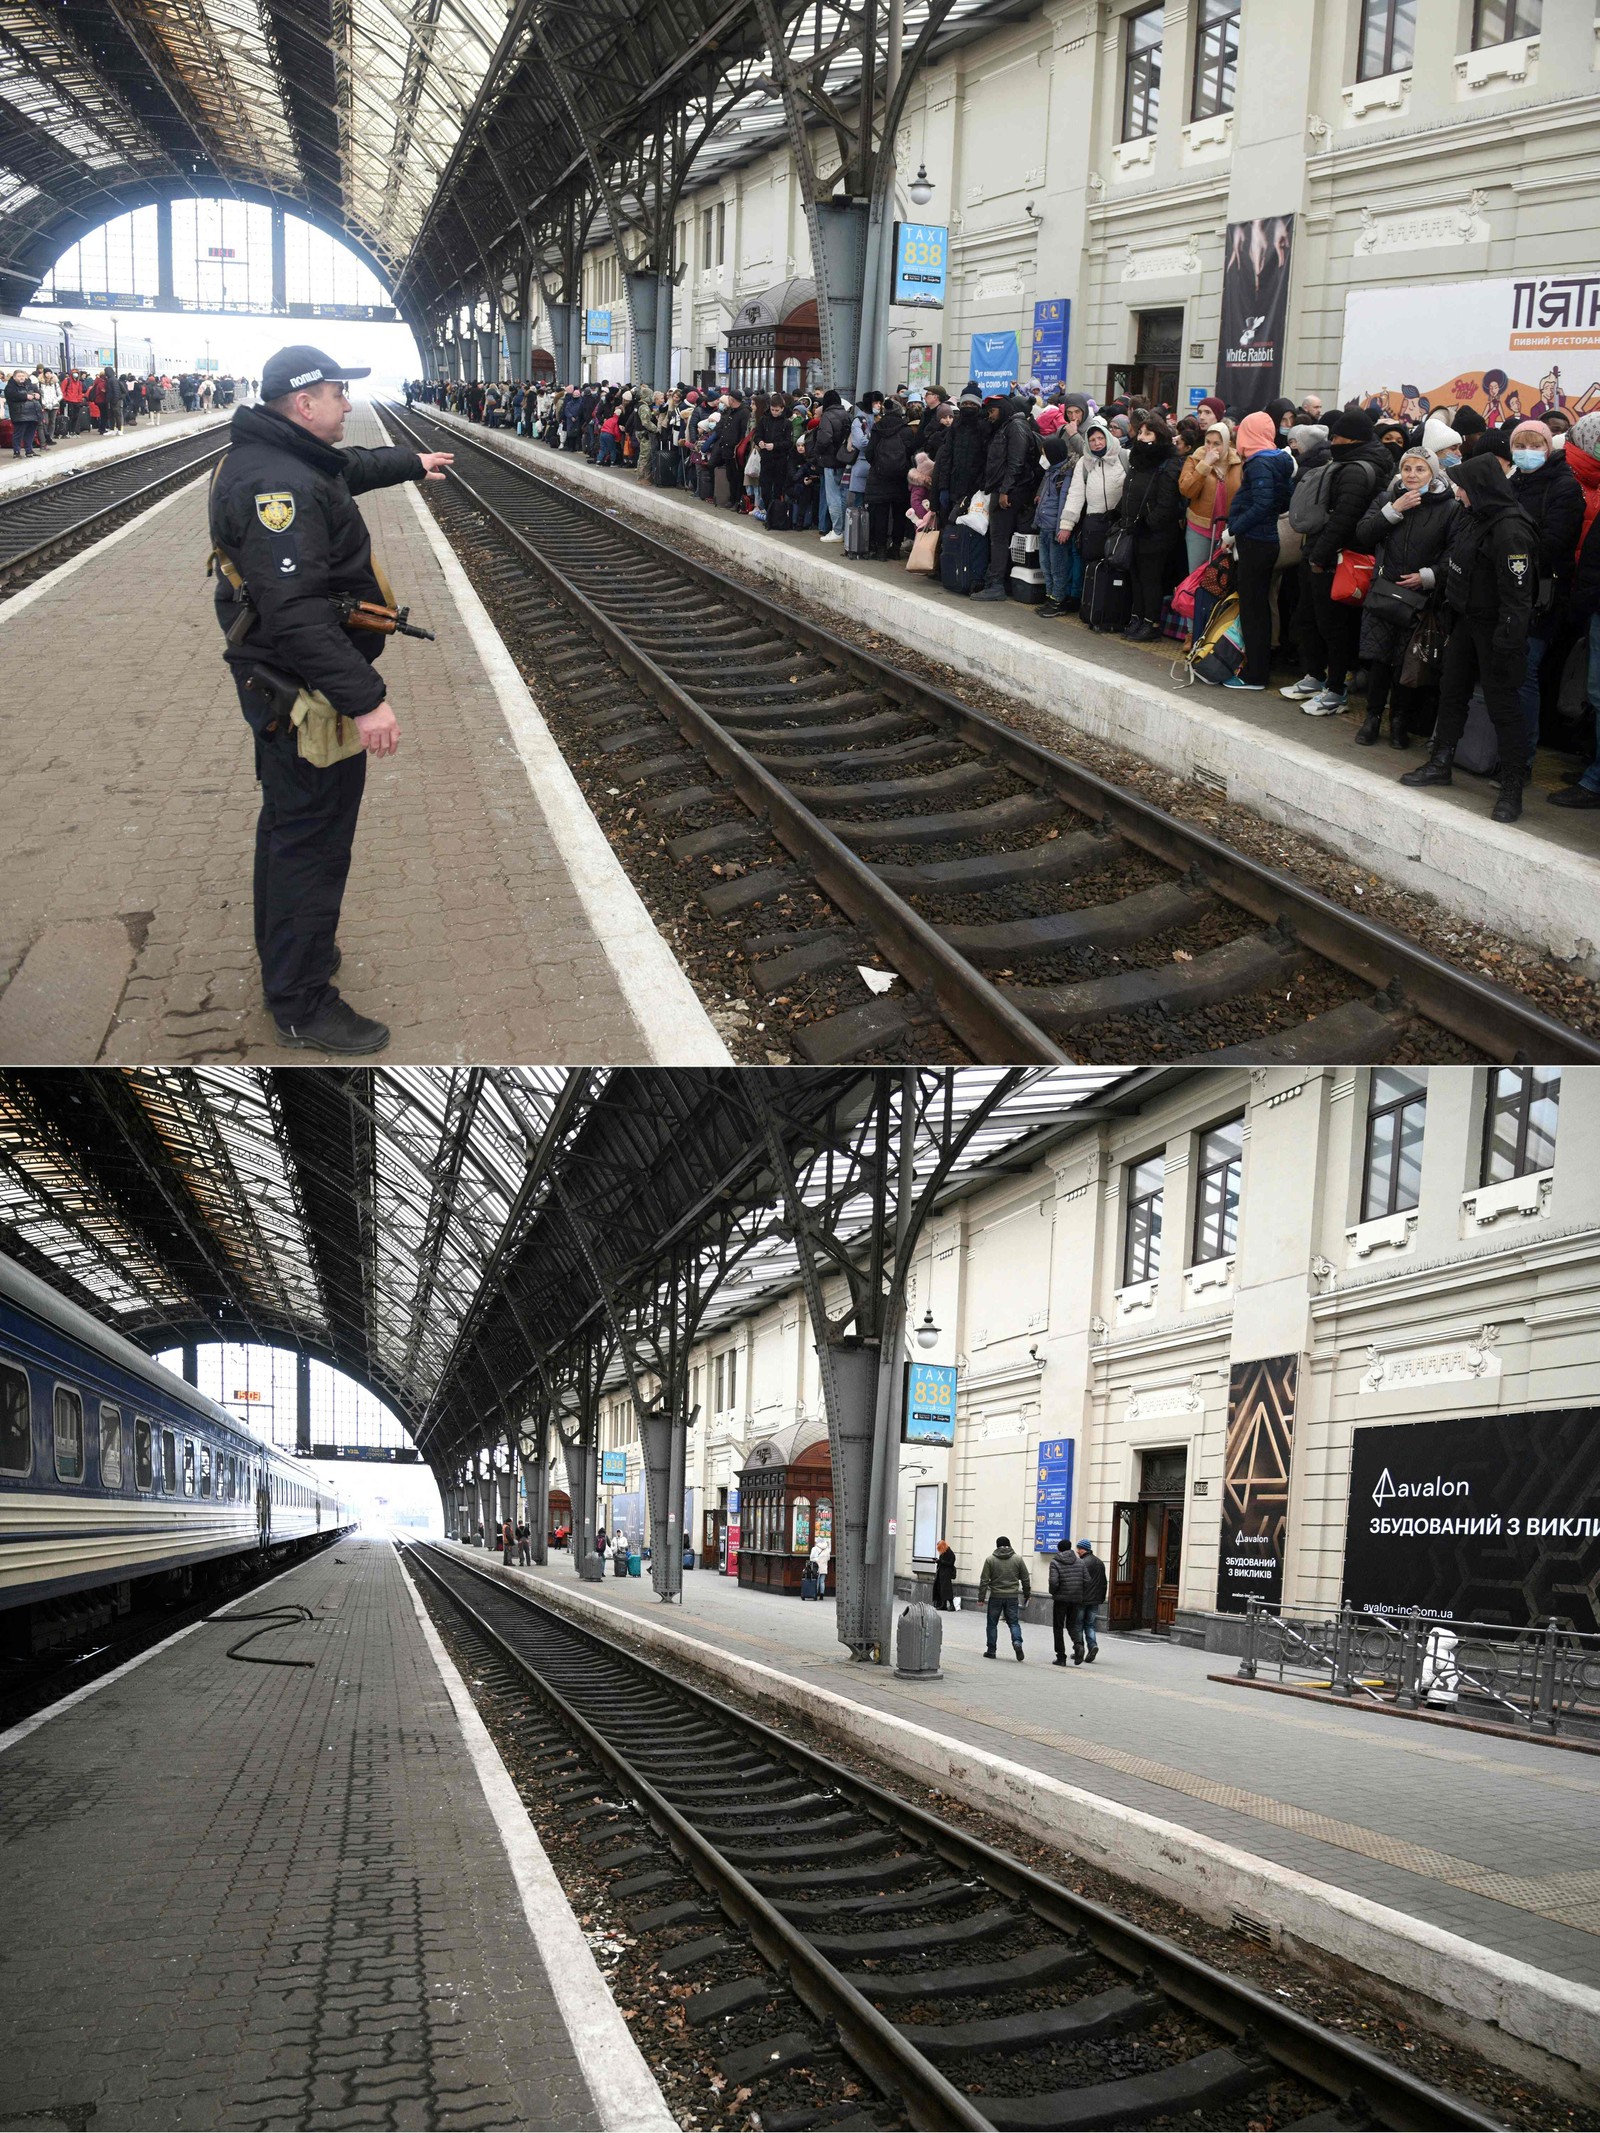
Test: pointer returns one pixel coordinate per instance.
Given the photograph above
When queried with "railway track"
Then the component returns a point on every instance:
(42, 527)
(970, 1990)
(1034, 910)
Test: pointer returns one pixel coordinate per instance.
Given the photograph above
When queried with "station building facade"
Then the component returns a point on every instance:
(1111, 154)
(1273, 1329)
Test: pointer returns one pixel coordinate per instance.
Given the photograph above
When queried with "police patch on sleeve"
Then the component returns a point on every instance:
(1518, 567)
(275, 509)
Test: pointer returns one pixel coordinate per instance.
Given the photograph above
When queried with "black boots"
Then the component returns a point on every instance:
(1435, 771)
(1508, 801)
(1397, 729)
(1369, 729)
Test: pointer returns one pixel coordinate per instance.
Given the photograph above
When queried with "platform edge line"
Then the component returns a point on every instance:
(626, 2094)
(671, 1019)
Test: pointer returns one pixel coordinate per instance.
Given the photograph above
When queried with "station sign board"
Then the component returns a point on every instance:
(1052, 323)
(994, 361)
(1052, 1502)
(613, 1470)
(597, 328)
(247, 1394)
(930, 1404)
(369, 1454)
(921, 264)
(1483, 1518)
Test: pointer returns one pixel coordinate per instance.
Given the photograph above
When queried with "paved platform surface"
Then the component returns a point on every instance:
(77, 455)
(1538, 881)
(479, 922)
(254, 1896)
(1494, 1840)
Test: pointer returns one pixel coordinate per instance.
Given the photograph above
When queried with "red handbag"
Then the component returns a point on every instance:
(1352, 576)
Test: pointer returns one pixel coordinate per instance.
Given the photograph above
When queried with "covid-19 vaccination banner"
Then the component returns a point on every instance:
(1508, 348)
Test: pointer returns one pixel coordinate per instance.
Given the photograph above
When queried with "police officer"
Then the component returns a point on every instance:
(284, 521)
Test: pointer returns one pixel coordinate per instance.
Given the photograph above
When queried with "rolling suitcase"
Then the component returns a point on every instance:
(1107, 598)
(855, 529)
(1478, 749)
(963, 559)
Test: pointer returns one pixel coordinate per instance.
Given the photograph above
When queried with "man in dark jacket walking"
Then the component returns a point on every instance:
(1361, 468)
(1491, 577)
(1094, 1598)
(1069, 1584)
(1004, 1587)
(291, 545)
(1003, 464)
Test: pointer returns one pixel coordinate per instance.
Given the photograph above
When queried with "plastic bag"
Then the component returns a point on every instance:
(976, 515)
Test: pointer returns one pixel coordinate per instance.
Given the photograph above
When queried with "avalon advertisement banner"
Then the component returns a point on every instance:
(1515, 348)
(1255, 309)
(1486, 1518)
(1255, 1484)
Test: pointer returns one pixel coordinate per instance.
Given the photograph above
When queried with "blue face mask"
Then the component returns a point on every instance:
(1449, 459)
(1528, 461)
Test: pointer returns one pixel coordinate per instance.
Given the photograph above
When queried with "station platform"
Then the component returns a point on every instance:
(1537, 881)
(80, 455)
(247, 1895)
(486, 916)
(1495, 1841)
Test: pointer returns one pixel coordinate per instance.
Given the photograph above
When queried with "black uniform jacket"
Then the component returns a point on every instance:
(1492, 570)
(284, 510)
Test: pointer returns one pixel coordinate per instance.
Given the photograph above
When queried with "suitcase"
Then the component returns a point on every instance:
(722, 487)
(705, 481)
(810, 1585)
(1107, 598)
(855, 529)
(779, 515)
(1478, 749)
(963, 559)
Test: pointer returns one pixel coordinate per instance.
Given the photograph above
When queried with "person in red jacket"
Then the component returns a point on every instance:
(72, 401)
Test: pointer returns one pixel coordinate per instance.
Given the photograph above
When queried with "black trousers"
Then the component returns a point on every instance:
(1253, 567)
(1002, 524)
(885, 524)
(1152, 576)
(1338, 626)
(1470, 660)
(1067, 1616)
(304, 836)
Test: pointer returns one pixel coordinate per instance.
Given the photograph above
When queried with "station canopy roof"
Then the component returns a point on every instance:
(427, 131)
(431, 1231)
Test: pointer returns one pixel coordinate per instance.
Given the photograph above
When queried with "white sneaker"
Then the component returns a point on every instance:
(1326, 704)
(1307, 685)
(833, 536)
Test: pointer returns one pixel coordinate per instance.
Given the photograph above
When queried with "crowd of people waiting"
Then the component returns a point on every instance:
(43, 408)
(1440, 569)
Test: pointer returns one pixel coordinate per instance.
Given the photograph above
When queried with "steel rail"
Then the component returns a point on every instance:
(77, 530)
(1486, 1015)
(870, 2038)
(1298, 2044)
(977, 1010)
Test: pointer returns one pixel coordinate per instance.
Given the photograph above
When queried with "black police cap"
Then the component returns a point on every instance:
(291, 369)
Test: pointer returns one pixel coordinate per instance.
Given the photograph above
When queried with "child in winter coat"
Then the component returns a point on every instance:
(920, 506)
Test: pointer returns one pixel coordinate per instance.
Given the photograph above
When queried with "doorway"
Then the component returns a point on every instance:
(1147, 1545)
(1151, 378)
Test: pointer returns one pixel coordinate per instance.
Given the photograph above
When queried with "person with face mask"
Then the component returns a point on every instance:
(1442, 441)
(1055, 543)
(1407, 529)
(958, 462)
(1095, 491)
(1262, 499)
(1151, 510)
(1006, 482)
(1547, 489)
(1582, 454)
(1214, 466)
(1361, 469)
(1491, 576)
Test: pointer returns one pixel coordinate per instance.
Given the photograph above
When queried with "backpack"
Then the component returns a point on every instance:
(1308, 499)
(1217, 653)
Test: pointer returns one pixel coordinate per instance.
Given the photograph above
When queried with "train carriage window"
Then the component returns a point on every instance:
(169, 1462)
(69, 1434)
(188, 1466)
(110, 1447)
(16, 1422)
(205, 1470)
(144, 1475)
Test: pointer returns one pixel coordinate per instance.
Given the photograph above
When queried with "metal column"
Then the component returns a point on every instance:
(166, 290)
(302, 1405)
(280, 263)
(191, 1363)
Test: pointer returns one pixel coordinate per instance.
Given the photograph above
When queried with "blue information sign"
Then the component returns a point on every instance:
(994, 361)
(921, 261)
(930, 1416)
(613, 1470)
(1197, 393)
(597, 328)
(1052, 1506)
(1052, 320)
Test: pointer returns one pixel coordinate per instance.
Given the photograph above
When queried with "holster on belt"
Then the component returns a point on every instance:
(323, 736)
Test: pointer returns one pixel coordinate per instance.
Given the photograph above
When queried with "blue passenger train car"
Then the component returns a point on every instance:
(112, 1469)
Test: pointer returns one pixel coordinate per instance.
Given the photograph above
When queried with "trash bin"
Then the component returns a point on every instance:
(591, 1568)
(917, 1640)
